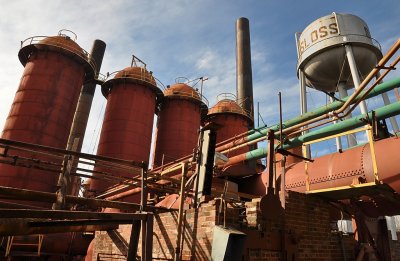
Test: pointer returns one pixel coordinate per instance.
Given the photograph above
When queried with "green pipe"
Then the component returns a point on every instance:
(379, 89)
(349, 124)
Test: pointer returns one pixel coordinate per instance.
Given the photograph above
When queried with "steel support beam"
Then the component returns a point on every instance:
(64, 214)
(32, 195)
(134, 240)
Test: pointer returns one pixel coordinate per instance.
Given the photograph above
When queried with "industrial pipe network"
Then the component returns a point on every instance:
(358, 121)
(259, 134)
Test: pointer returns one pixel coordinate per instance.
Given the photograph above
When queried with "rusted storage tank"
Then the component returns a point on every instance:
(178, 123)
(232, 120)
(45, 102)
(132, 97)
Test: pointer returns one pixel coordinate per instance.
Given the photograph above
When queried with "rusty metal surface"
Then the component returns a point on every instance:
(178, 124)
(128, 122)
(348, 168)
(231, 119)
(228, 106)
(42, 112)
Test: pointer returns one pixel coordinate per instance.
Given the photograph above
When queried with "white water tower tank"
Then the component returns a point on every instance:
(322, 55)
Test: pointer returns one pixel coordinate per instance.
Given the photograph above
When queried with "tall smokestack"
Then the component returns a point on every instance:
(244, 79)
(81, 116)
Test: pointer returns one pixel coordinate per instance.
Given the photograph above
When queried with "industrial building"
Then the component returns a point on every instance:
(193, 185)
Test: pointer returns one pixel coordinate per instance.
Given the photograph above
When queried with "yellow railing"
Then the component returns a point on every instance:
(369, 130)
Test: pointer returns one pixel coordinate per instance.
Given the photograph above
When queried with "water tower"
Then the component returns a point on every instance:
(334, 53)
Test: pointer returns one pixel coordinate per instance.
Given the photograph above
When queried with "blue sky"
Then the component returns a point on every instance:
(186, 38)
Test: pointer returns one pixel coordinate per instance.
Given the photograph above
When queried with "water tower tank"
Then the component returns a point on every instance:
(322, 55)
(45, 102)
(178, 123)
(132, 97)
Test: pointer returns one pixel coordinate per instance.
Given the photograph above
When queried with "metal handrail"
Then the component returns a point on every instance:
(369, 130)
(100, 77)
(228, 96)
(143, 76)
(192, 94)
(82, 53)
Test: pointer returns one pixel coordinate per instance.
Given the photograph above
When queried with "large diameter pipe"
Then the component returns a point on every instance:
(342, 169)
(358, 121)
(244, 78)
(262, 131)
(86, 97)
(82, 112)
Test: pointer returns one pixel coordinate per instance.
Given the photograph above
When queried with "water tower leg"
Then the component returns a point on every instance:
(393, 121)
(386, 101)
(303, 104)
(355, 75)
(351, 139)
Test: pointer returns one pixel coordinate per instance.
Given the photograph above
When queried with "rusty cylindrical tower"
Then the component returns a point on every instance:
(45, 102)
(132, 97)
(231, 119)
(178, 123)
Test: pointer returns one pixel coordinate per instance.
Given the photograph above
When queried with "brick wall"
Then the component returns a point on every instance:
(197, 238)
(304, 233)
(308, 218)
